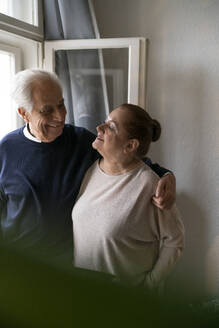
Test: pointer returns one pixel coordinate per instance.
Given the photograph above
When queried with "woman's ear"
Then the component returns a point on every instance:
(131, 146)
(24, 114)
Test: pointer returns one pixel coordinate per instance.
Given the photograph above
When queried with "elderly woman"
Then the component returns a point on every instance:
(117, 230)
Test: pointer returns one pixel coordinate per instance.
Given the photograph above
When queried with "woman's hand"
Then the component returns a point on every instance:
(165, 194)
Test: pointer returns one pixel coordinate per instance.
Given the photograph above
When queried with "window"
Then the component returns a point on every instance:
(9, 64)
(22, 17)
(135, 77)
(24, 10)
(97, 75)
(20, 48)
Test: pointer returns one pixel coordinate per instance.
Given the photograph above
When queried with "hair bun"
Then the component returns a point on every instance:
(156, 130)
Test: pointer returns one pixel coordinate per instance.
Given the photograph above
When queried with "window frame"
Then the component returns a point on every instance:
(16, 52)
(137, 60)
(25, 42)
(18, 27)
(27, 54)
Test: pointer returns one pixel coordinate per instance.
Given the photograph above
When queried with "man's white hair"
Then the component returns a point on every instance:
(23, 84)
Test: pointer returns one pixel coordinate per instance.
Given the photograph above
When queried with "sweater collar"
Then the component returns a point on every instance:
(28, 135)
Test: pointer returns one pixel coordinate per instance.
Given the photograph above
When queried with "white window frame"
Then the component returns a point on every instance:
(18, 27)
(24, 41)
(27, 54)
(16, 52)
(137, 61)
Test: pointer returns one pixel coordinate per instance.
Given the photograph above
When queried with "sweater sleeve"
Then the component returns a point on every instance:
(2, 199)
(159, 170)
(171, 231)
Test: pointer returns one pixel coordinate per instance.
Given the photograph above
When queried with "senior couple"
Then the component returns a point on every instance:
(52, 174)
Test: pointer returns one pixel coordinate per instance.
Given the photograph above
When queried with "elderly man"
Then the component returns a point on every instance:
(42, 166)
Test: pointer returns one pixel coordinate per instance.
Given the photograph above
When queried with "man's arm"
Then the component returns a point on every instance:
(165, 194)
(161, 171)
(2, 200)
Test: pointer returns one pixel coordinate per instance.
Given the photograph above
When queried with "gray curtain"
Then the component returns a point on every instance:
(79, 71)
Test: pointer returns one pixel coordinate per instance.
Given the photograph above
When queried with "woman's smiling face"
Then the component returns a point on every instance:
(112, 136)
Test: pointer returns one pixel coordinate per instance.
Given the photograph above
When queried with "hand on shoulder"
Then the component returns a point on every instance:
(165, 194)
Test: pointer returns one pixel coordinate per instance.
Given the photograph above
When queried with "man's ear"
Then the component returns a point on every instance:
(132, 146)
(24, 114)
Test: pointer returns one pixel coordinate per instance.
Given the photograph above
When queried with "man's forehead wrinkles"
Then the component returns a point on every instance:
(51, 104)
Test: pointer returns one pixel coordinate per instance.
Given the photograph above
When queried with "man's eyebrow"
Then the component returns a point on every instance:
(46, 106)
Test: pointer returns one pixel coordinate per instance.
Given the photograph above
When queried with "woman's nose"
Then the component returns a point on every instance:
(100, 127)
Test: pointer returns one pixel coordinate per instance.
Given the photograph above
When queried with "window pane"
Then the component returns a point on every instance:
(94, 83)
(116, 74)
(8, 114)
(24, 10)
(80, 74)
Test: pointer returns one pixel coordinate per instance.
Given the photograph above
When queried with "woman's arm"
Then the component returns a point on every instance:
(172, 243)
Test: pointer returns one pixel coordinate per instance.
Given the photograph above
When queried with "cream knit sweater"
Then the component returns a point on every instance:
(118, 230)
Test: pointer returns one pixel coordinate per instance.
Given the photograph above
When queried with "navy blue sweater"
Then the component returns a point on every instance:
(39, 183)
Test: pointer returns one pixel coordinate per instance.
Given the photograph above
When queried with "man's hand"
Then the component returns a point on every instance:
(165, 194)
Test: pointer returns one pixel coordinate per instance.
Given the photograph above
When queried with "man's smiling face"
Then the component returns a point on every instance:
(47, 118)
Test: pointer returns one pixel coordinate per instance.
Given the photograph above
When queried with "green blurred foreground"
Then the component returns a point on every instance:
(36, 294)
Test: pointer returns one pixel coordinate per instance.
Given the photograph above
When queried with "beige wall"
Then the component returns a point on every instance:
(183, 94)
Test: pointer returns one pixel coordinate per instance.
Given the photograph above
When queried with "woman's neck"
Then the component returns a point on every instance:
(115, 167)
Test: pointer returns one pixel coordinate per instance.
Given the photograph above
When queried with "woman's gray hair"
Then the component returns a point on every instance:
(22, 86)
